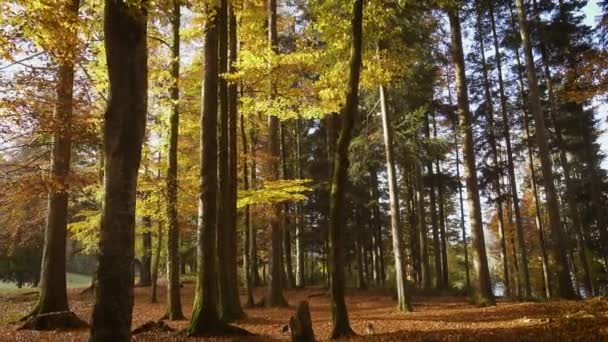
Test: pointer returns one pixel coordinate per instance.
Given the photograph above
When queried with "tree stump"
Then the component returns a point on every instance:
(300, 325)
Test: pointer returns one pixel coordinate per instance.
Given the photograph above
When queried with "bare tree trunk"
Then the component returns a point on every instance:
(205, 316)
(125, 121)
(174, 304)
(422, 230)
(274, 296)
(398, 248)
(229, 304)
(377, 226)
(559, 245)
(483, 285)
(460, 199)
(538, 215)
(299, 219)
(53, 294)
(414, 236)
(341, 326)
(461, 202)
(286, 223)
(489, 113)
(433, 208)
(145, 275)
(253, 246)
(156, 262)
(510, 164)
(247, 223)
(442, 233)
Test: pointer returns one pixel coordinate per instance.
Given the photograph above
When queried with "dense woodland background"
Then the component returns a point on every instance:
(413, 146)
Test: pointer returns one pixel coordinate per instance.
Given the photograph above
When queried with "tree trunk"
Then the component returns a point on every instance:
(594, 173)
(483, 285)
(510, 163)
(156, 262)
(174, 304)
(246, 224)
(403, 303)
(286, 223)
(460, 199)
(377, 226)
(489, 113)
(341, 325)
(299, 216)
(253, 246)
(573, 212)
(422, 230)
(205, 316)
(274, 296)
(559, 244)
(433, 208)
(538, 215)
(461, 205)
(413, 225)
(145, 275)
(53, 295)
(125, 121)
(442, 233)
(229, 303)
(359, 255)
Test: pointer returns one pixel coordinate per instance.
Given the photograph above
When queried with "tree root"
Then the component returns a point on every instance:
(54, 321)
(152, 326)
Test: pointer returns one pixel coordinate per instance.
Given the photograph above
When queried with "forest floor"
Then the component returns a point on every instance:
(436, 318)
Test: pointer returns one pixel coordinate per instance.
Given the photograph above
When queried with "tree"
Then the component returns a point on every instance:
(495, 174)
(124, 126)
(229, 304)
(403, 303)
(145, 275)
(559, 246)
(174, 304)
(205, 316)
(433, 209)
(510, 164)
(483, 286)
(341, 325)
(274, 296)
(53, 294)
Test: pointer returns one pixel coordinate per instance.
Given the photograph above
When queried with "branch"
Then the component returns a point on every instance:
(21, 60)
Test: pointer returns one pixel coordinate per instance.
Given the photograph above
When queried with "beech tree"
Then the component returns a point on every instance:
(341, 325)
(124, 126)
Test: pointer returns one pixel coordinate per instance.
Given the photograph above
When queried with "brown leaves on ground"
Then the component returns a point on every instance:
(434, 319)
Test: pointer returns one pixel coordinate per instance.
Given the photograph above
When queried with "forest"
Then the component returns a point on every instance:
(387, 170)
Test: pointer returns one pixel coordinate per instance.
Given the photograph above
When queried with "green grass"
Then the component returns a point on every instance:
(74, 280)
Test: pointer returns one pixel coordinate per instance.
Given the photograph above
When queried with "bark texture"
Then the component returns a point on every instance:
(124, 126)
(53, 295)
(403, 303)
(559, 246)
(205, 317)
(482, 285)
(340, 324)
(174, 305)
